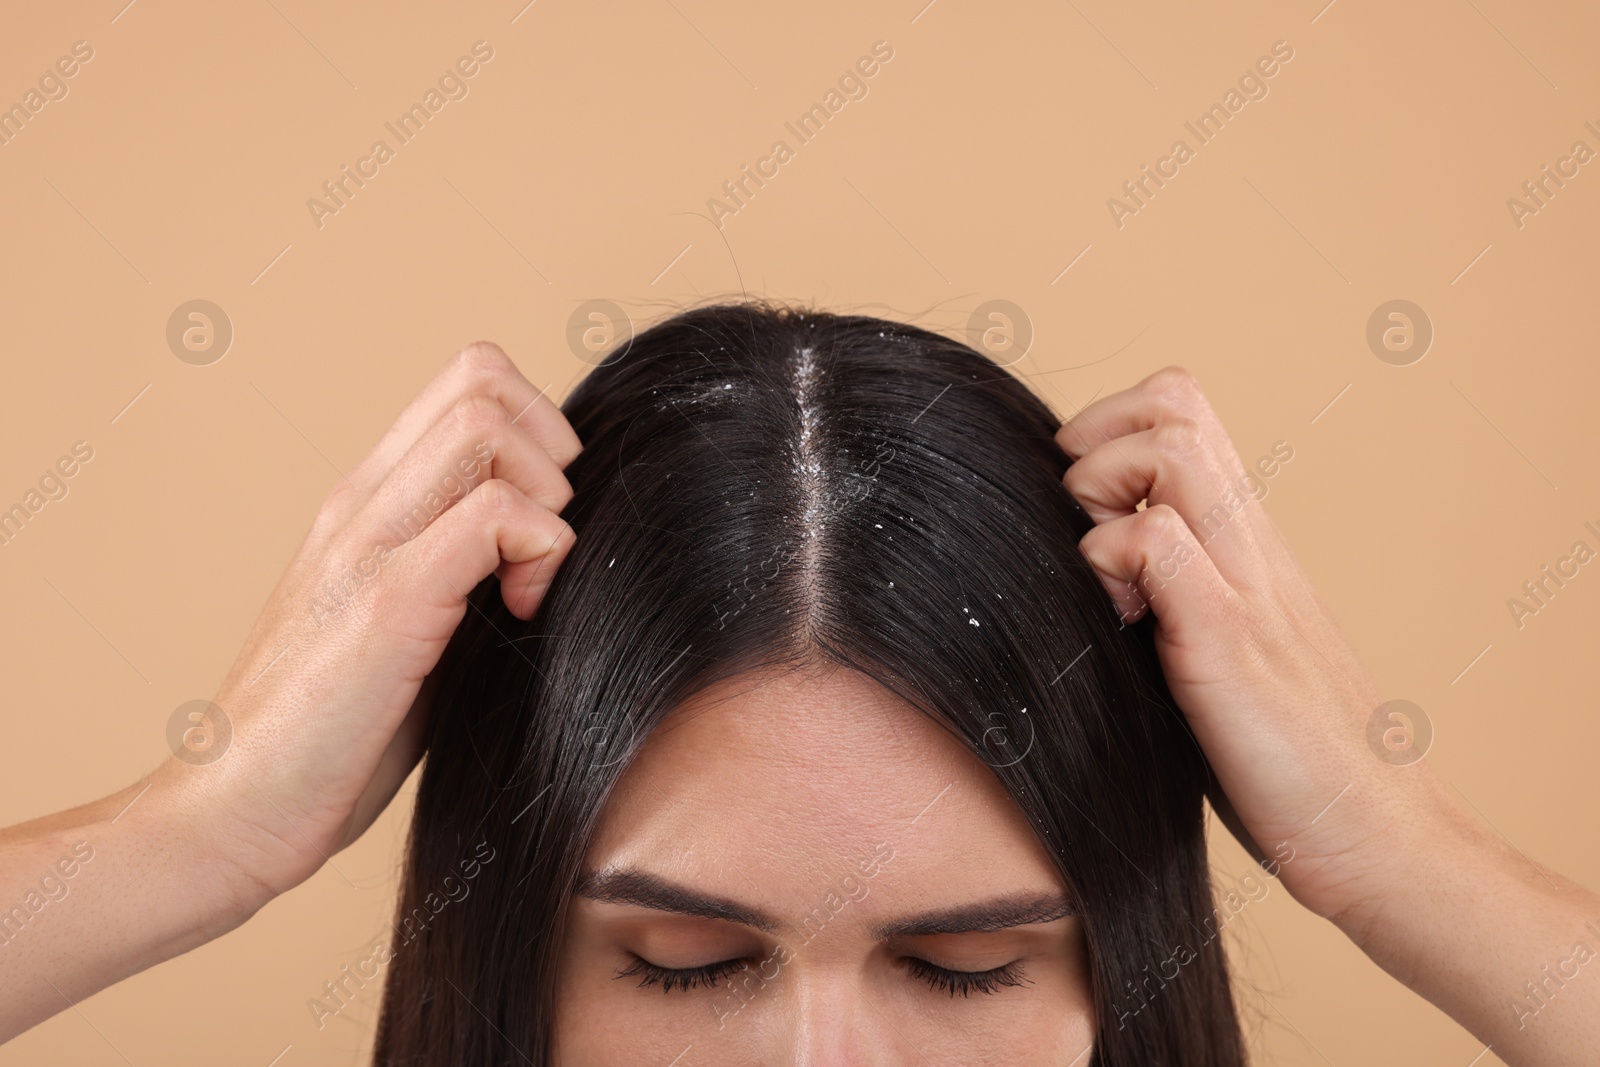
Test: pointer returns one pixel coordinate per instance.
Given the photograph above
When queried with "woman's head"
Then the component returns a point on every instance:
(826, 689)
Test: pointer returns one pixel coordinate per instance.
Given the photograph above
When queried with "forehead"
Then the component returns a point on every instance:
(773, 786)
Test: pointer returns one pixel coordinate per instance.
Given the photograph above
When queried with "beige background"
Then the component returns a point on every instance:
(978, 167)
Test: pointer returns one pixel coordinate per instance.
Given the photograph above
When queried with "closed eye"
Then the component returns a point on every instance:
(669, 978)
(945, 980)
(939, 979)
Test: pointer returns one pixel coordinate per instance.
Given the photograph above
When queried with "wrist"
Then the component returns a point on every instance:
(1363, 863)
(1473, 925)
(1424, 867)
(219, 859)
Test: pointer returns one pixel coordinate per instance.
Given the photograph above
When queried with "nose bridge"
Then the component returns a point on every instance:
(825, 1030)
(834, 1025)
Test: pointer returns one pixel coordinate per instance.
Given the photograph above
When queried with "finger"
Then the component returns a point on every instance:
(495, 522)
(1150, 559)
(472, 442)
(1112, 478)
(481, 367)
(1173, 464)
(1169, 393)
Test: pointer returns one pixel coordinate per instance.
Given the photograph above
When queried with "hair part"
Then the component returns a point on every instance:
(764, 487)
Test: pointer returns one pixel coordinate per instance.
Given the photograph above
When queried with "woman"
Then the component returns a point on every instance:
(785, 545)
(818, 741)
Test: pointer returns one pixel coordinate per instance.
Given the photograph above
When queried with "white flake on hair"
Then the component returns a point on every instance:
(807, 465)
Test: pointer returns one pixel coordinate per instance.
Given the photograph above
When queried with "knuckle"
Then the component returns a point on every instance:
(1180, 436)
(496, 495)
(484, 359)
(1067, 437)
(338, 500)
(563, 537)
(479, 413)
(1090, 541)
(564, 493)
(1076, 478)
(1162, 525)
(570, 448)
(1102, 549)
(337, 506)
(1175, 389)
(385, 601)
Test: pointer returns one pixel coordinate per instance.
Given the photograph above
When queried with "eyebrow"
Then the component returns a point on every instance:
(984, 916)
(641, 889)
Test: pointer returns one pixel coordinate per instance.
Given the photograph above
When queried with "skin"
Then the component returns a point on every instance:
(1280, 702)
(327, 710)
(778, 793)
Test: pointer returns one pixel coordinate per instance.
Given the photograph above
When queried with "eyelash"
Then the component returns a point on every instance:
(684, 978)
(940, 979)
(964, 982)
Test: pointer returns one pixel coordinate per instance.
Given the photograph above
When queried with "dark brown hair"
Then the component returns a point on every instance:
(763, 486)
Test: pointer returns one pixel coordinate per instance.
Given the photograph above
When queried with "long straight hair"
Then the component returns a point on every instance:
(762, 486)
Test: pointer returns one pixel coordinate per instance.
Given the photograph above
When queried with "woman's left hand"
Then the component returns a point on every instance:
(1275, 695)
(1356, 826)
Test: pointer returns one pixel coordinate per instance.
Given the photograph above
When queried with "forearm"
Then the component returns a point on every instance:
(103, 891)
(1507, 948)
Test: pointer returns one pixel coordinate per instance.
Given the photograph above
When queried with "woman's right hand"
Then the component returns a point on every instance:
(326, 703)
